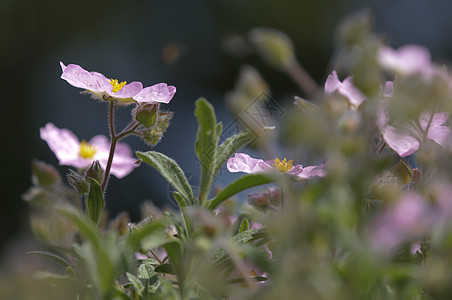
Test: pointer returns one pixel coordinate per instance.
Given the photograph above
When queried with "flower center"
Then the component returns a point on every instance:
(283, 165)
(86, 150)
(116, 85)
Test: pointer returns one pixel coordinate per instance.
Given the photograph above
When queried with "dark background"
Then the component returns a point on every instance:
(181, 43)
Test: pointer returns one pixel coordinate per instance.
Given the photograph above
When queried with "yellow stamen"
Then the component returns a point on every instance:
(86, 150)
(116, 85)
(283, 165)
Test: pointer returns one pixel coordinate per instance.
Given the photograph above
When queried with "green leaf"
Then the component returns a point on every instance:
(241, 184)
(52, 257)
(169, 169)
(87, 229)
(136, 236)
(183, 205)
(165, 268)
(139, 287)
(230, 146)
(244, 225)
(206, 144)
(95, 201)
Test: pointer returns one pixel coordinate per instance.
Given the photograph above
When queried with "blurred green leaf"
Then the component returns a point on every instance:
(169, 169)
(165, 268)
(206, 144)
(52, 257)
(139, 287)
(241, 184)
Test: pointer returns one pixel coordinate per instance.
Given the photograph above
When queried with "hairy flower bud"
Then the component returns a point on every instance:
(146, 114)
(95, 171)
(77, 182)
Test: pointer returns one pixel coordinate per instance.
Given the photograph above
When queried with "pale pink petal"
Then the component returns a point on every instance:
(123, 160)
(415, 248)
(312, 171)
(332, 83)
(79, 77)
(345, 88)
(160, 92)
(65, 145)
(242, 162)
(129, 90)
(438, 119)
(403, 144)
(408, 59)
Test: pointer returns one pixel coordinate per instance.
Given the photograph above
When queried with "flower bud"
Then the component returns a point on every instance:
(151, 136)
(258, 200)
(274, 46)
(95, 171)
(44, 174)
(163, 120)
(146, 114)
(77, 182)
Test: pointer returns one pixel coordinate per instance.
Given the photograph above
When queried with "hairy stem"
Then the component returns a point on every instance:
(112, 145)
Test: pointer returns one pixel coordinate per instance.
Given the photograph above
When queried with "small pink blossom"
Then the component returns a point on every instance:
(344, 88)
(71, 152)
(242, 162)
(408, 59)
(102, 88)
(409, 219)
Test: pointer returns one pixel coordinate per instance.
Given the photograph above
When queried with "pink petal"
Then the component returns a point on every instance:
(129, 90)
(160, 92)
(123, 160)
(408, 59)
(312, 171)
(242, 162)
(345, 88)
(79, 77)
(401, 143)
(438, 119)
(65, 145)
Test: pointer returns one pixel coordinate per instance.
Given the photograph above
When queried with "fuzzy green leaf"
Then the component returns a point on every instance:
(169, 169)
(230, 146)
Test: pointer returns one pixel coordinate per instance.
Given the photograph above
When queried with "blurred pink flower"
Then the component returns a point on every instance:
(344, 88)
(242, 162)
(406, 140)
(409, 219)
(104, 89)
(71, 152)
(408, 59)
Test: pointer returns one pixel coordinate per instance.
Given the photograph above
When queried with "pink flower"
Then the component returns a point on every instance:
(344, 88)
(104, 89)
(406, 60)
(406, 139)
(409, 219)
(71, 152)
(242, 162)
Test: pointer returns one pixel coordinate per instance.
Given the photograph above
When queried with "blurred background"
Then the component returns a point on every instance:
(197, 45)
